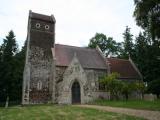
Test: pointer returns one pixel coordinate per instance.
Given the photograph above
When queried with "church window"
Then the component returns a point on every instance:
(39, 85)
(46, 27)
(38, 25)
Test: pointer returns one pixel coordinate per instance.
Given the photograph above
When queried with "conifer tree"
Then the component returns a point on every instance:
(8, 51)
(128, 46)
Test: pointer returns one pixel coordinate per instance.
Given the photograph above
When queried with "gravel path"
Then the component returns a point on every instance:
(147, 114)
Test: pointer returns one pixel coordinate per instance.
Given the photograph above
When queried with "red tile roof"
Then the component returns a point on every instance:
(88, 58)
(123, 67)
(91, 58)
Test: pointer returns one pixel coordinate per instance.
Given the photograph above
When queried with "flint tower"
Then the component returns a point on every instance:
(39, 74)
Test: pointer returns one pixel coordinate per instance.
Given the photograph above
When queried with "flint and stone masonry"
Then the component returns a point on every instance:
(38, 83)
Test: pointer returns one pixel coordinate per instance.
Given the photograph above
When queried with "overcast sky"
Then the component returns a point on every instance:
(76, 20)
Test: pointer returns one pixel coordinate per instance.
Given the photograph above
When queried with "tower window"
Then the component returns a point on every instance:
(38, 25)
(39, 85)
(46, 27)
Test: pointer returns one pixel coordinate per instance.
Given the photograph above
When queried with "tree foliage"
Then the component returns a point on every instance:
(146, 57)
(8, 50)
(147, 15)
(154, 87)
(107, 45)
(127, 88)
(118, 87)
(11, 65)
(112, 84)
(128, 46)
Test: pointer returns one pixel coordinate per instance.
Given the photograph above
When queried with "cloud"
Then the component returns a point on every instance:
(76, 20)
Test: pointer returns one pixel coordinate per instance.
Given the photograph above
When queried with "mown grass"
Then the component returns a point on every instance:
(55, 112)
(135, 104)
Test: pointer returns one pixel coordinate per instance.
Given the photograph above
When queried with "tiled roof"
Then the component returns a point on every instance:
(88, 58)
(123, 67)
(41, 17)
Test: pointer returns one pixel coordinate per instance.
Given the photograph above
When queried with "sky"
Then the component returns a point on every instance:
(76, 20)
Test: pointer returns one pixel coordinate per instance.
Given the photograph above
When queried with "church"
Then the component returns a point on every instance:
(63, 74)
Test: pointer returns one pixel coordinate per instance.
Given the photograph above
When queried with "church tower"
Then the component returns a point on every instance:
(39, 71)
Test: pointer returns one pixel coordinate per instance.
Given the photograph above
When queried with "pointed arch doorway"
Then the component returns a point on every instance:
(76, 93)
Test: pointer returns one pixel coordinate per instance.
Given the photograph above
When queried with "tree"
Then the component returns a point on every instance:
(8, 51)
(20, 62)
(118, 87)
(141, 54)
(140, 88)
(107, 45)
(147, 14)
(146, 57)
(1, 81)
(11, 65)
(154, 87)
(128, 46)
(112, 84)
(126, 89)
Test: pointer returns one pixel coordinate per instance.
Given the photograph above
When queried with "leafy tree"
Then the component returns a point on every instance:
(107, 45)
(126, 89)
(154, 87)
(118, 87)
(147, 14)
(112, 84)
(140, 87)
(146, 57)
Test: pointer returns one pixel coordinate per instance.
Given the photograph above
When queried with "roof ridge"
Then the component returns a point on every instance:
(118, 59)
(76, 46)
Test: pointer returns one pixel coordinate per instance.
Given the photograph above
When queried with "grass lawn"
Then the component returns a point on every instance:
(55, 112)
(136, 104)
